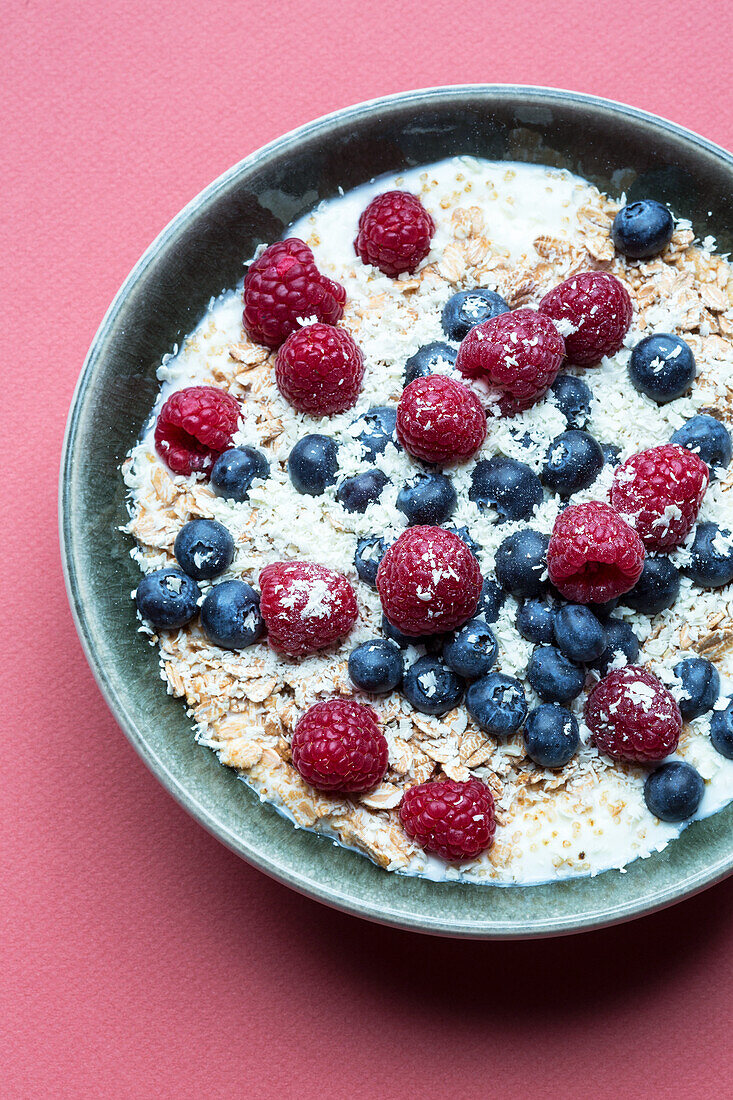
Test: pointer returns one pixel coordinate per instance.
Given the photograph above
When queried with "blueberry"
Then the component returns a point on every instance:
(376, 666)
(535, 621)
(369, 553)
(620, 639)
(520, 562)
(431, 687)
(573, 398)
(378, 429)
(235, 470)
(230, 615)
(468, 308)
(711, 556)
(551, 735)
(662, 366)
(357, 493)
(553, 676)
(603, 610)
(642, 229)
(509, 486)
(579, 634)
(203, 548)
(402, 640)
(312, 464)
(700, 686)
(465, 536)
(674, 791)
(573, 462)
(497, 703)
(490, 601)
(611, 454)
(721, 731)
(708, 438)
(472, 650)
(428, 359)
(428, 498)
(167, 598)
(656, 589)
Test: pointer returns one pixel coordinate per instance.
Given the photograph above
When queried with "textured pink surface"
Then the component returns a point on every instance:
(140, 957)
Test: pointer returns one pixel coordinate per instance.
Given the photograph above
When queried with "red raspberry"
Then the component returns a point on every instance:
(319, 370)
(338, 746)
(428, 581)
(194, 426)
(516, 354)
(454, 820)
(594, 555)
(395, 232)
(305, 606)
(440, 420)
(283, 285)
(598, 307)
(632, 716)
(659, 492)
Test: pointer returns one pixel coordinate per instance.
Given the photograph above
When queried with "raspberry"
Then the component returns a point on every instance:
(599, 309)
(284, 284)
(659, 492)
(428, 581)
(319, 370)
(452, 819)
(594, 555)
(394, 232)
(632, 716)
(440, 420)
(338, 746)
(516, 354)
(194, 426)
(305, 606)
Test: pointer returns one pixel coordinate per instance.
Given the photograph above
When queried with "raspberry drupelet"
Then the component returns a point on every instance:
(659, 492)
(194, 426)
(632, 716)
(439, 420)
(594, 554)
(454, 820)
(319, 370)
(593, 311)
(395, 231)
(305, 606)
(338, 746)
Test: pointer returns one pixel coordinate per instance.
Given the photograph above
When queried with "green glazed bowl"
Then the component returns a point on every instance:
(200, 254)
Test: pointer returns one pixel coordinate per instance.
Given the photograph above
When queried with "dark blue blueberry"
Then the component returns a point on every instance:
(579, 634)
(551, 735)
(611, 454)
(358, 492)
(465, 536)
(167, 598)
(490, 601)
(662, 366)
(708, 438)
(203, 548)
(573, 398)
(312, 464)
(376, 666)
(673, 791)
(497, 703)
(700, 686)
(553, 676)
(432, 688)
(509, 486)
(378, 430)
(711, 553)
(620, 639)
(428, 359)
(656, 589)
(235, 470)
(402, 640)
(521, 562)
(468, 308)
(642, 229)
(535, 621)
(721, 731)
(603, 610)
(428, 498)
(573, 462)
(472, 650)
(369, 553)
(230, 615)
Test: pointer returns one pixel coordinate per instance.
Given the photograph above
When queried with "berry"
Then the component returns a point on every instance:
(194, 426)
(429, 359)
(358, 492)
(603, 610)
(700, 682)
(573, 462)
(497, 703)
(673, 791)
(376, 666)
(551, 735)
(535, 621)
(642, 229)
(510, 487)
(520, 563)
(369, 553)
(377, 430)
(472, 650)
(465, 536)
(402, 640)
(432, 688)
(555, 678)
(395, 232)
(611, 454)
(594, 555)
(167, 598)
(490, 601)
(620, 642)
(283, 285)
(338, 746)
(319, 370)
(312, 464)
(572, 397)
(454, 820)
(230, 615)
(469, 308)
(596, 308)
(659, 492)
(721, 731)
(632, 716)
(709, 439)
(305, 606)
(711, 556)
(579, 634)
(235, 470)
(662, 366)
(517, 355)
(656, 589)
(427, 498)
(428, 581)
(203, 548)
(440, 420)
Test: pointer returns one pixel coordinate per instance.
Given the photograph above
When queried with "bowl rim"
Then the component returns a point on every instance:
(278, 869)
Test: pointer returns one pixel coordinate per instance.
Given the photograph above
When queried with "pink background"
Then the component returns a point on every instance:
(140, 957)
